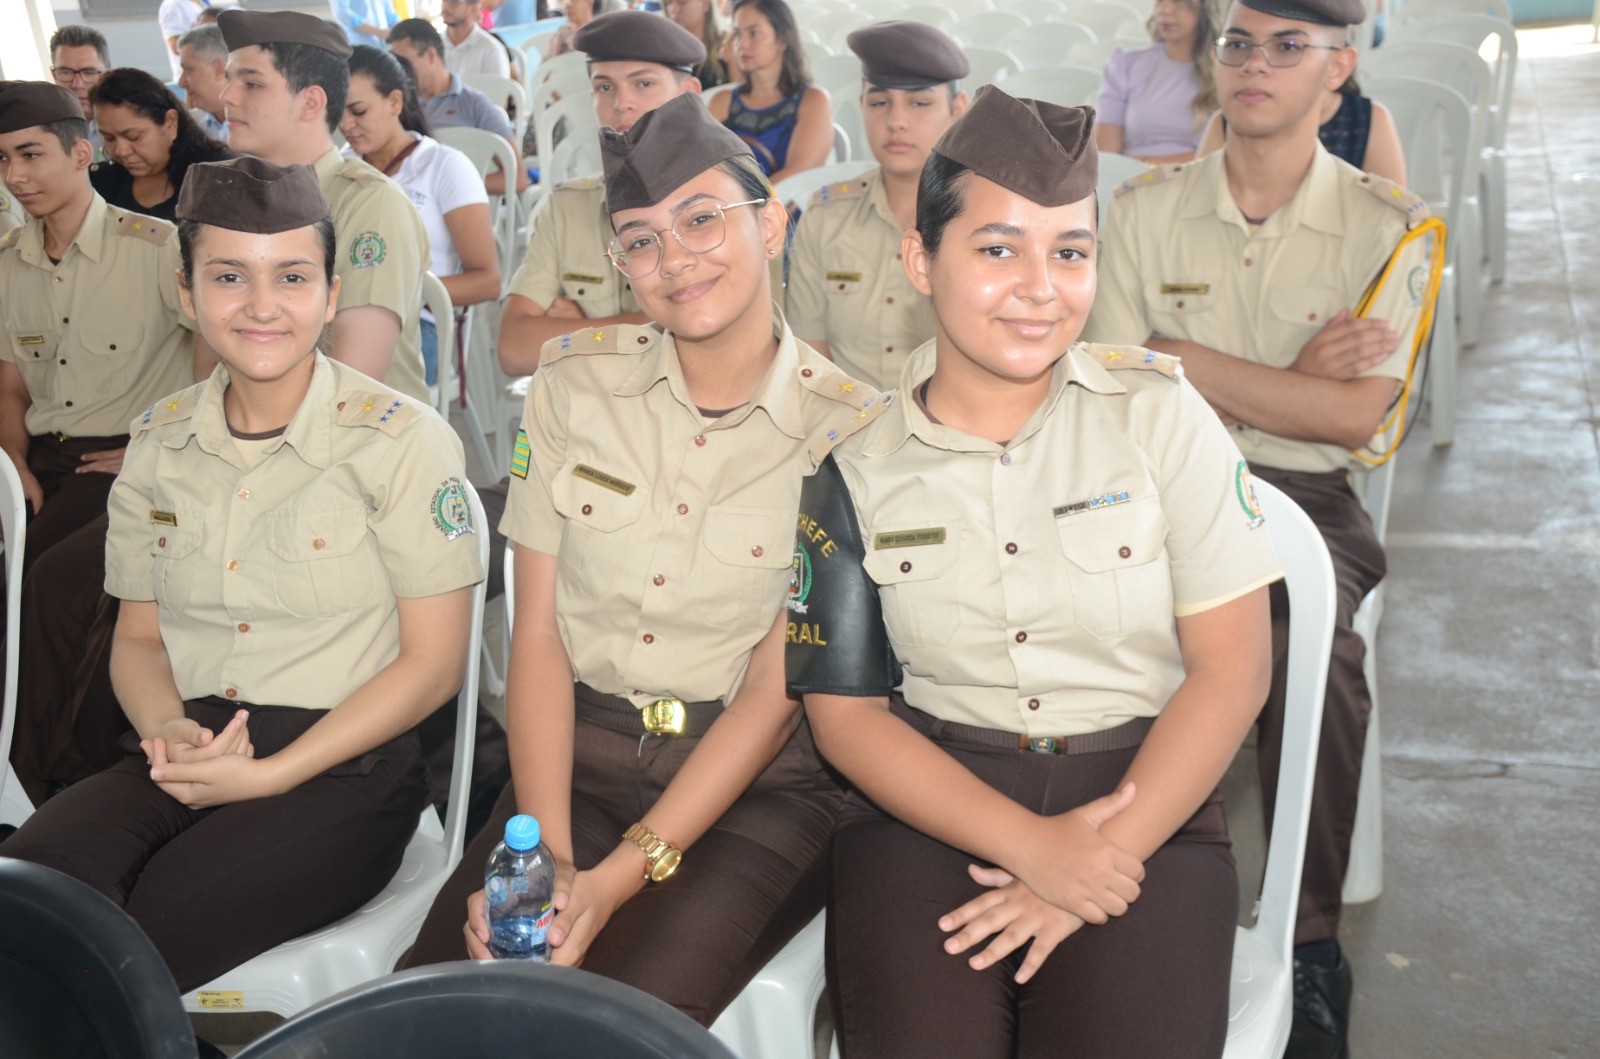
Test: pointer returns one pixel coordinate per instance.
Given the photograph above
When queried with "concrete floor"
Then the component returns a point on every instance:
(1483, 942)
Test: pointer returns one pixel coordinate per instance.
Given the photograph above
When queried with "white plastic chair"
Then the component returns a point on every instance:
(834, 26)
(1110, 20)
(986, 29)
(451, 387)
(1046, 44)
(1038, 12)
(1427, 116)
(839, 74)
(1068, 86)
(1416, 10)
(1496, 40)
(367, 943)
(942, 17)
(535, 47)
(847, 120)
(14, 804)
(485, 150)
(990, 66)
(564, 65)
(577, 152)
(1097, 54)
(1260, 997)
(796, 191)
(506, 94)
(1115, 170)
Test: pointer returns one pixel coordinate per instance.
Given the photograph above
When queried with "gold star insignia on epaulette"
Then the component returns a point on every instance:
(598, 336)
(367, 407)
(845, 387)
(1113, 356)
(172, 405)
(138, 225)
(1396, 192)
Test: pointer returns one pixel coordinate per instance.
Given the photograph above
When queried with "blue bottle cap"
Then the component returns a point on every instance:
(522, 833)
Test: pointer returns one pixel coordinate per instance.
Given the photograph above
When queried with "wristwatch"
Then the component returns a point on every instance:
(661, 858)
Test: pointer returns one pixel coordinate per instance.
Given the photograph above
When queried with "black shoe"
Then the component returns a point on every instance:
(1321, 1011)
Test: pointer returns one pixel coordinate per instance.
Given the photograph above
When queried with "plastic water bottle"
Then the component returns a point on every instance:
(519, 882)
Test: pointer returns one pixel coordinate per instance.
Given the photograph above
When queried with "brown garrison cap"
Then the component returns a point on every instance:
(1041, 151)
(249, 194)
(905, 54)
(241, 29)
(663, 151)
(24, 104)
(1322, 12)
(639, 36)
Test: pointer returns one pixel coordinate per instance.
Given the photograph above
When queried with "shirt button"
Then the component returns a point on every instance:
(1022, 637)
(161, 542)
(233, 564)
(244, 626)
(58, 279)
(1311, 316)
(888, 349)
(63, 362)
(1248, 262)
(889, 300)
(588, 509)
(232, 693)
(905, 567)
(1011, 547)
(66, 320)
(1179, 303)
(805, 373)
(683, 509)
(700, 439)
(1124, 551)
(1033, 704)
(244, 494)
(658, 580)
(69, 404)
(648, 638)
(758, 551)
(340, 406)
(1005, 458)
(318, 544)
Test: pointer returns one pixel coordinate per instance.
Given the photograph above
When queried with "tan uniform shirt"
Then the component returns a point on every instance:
(100, 335)
(383, 252)
(847, 286)
(1178, 260)
(674, 531)
(1032, 587)
(567, 239)
(277, 578)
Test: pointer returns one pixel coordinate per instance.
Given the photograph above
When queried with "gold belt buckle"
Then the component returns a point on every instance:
(60, 437)
(664, 717)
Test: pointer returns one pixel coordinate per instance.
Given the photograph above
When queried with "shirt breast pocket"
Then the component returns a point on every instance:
(594, 544)
(322, 563)
(34, 352)
(1299, 312)
(111, 338)
(1116, 564)
(176, 559)
(1178, 309)
(754, 553)
(919, 586)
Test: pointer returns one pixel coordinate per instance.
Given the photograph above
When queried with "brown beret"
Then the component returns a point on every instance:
(904, 54)
(241, 29)
(1321, 12)
(639, 36)
(1041, 151)
(249, 194)
(24, 104)
(663, 151)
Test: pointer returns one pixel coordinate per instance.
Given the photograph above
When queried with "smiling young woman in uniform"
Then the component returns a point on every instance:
(1054, 588)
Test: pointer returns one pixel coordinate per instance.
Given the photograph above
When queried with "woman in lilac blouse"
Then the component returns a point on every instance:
(1155, 101)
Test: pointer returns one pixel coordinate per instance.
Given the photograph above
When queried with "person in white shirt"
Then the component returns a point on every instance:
(175, 17)
(203, 74)
(468, 47)
(386, 128)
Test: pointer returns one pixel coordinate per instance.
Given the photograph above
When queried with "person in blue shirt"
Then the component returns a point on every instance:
(364, 21)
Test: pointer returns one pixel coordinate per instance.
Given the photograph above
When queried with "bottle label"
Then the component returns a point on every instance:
(541, 926)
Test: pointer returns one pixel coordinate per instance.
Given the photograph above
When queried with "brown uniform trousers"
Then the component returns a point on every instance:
(1358, 566)
(215, 887)
(744, 889)
(1153, 982)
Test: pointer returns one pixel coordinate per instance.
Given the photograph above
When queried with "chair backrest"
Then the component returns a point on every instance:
(78, 976)
(559, 65)
(534, 47)
(1096, 54)
(1308, 573)
(796, 191)
(990, 66)
(1429, 117)
(14, 536)
(484, 149)
(1038, 12)
(577, 151)
(1455, 65)
(1109, 19)
(1415, 10)
(1046, 44)
(847, 121)
(436, 300)
(986, 29)
(1068, 86)
(839, 74)
(519, 67)
(506, 93)
(834, 26)
(1495, 40)
(1115, 170)
(477, 1008)
(729, 86)
(455, 817)
(942, 17)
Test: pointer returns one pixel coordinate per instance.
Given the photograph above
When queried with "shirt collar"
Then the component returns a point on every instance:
(1315, 203)
(454, 88)
(90, 240)
(309, 433)
(778, 395)
(880, 199)
(906, 419)
(328, 165)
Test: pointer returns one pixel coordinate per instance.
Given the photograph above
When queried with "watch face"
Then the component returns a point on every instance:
(663, 868)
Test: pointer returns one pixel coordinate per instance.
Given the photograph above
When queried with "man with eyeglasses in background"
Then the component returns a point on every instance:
(79, 57)
(1249, 264)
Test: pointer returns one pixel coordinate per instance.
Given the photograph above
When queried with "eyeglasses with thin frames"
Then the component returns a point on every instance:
(1281, 53)
(65, 75)
(699, 229)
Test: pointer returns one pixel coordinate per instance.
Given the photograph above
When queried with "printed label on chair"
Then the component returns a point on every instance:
(221, 999)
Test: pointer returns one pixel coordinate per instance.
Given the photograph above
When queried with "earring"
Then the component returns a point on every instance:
(771, 252)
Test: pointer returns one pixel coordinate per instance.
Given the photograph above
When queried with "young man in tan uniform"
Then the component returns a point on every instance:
(848, 294)
(1247, 265)
(92, 336)
(637, 61)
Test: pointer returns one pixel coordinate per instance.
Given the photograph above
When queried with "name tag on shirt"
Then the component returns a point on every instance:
(844, 277)
(908, 538)
(162, 518)
(1186, 288)
(604, 480)
(30, 340)
(1094, 503)
(581, 277)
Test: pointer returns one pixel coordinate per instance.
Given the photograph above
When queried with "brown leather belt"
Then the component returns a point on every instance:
(669, 716)
(1123, 736)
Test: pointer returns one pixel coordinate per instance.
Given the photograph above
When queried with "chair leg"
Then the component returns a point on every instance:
(1494, 209)
(1363, 877)
(1442, 357)
(1469, 273)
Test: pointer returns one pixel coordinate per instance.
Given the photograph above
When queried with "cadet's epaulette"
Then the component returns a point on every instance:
(619, 338)
(1153, 175)
(580, 184)
(835, 385)
(174, 408)
(1396, 197)
(840, 190)
(150, 229)
(388, 412)
(1115, 358)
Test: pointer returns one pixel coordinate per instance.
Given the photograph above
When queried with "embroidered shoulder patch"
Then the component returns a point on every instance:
(1244, 488)
(368, 250)
(150, 229)
(452, 512)
(387, 412)
(173, 408)
(521, 454)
